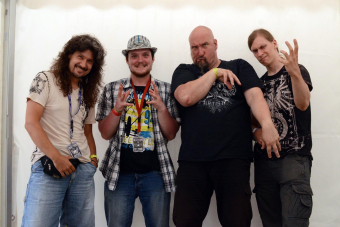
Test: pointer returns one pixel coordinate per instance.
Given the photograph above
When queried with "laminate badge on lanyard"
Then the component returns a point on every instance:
(138, 141)
(73, 148)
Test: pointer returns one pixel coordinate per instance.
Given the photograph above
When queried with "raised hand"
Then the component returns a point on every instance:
(292, 60)
(157, 101)
(121, 99)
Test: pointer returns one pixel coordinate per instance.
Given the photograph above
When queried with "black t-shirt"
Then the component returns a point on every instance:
(292, 124)
(146, 160)
(218, 126)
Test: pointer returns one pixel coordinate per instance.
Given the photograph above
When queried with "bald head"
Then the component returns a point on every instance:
(200, 31)
(203, 48)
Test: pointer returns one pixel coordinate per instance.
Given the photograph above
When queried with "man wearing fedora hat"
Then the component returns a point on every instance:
(138, 115)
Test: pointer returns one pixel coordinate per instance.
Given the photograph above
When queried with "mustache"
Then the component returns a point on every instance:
(140, 64)
(201, 58)
(82, 68)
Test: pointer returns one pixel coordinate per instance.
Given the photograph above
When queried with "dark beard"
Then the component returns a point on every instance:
(203, 65)
(140, 74)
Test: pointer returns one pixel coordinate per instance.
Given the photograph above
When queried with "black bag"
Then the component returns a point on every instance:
(50, 169)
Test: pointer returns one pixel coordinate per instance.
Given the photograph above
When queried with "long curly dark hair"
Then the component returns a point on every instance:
(92, 82)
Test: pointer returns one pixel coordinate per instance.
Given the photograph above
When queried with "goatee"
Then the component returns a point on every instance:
(203, 65)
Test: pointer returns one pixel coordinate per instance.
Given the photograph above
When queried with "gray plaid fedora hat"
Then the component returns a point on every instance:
(138, 42)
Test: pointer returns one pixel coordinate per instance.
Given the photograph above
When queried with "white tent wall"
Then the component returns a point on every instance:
(43, 27)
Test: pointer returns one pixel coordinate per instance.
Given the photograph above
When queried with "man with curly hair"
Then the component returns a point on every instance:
(59, 118)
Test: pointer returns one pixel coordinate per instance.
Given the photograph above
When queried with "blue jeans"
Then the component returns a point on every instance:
(149, 187)
(69, 200)
(283, 191)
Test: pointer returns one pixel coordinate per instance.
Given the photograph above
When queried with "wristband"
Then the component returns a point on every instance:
(116, 112)
(93, 156)
(215, 71)
(254, 131)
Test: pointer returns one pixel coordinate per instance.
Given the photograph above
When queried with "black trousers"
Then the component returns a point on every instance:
(283, 191)
(196, 182)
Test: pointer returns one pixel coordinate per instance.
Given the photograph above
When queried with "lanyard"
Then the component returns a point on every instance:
(140, 107)
(70, 102)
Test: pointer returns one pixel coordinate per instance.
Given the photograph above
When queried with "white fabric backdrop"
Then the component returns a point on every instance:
(44, 26)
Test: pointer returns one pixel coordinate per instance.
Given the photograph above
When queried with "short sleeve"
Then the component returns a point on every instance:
(247, 76)
(40, 89)
(105, 103)
(172, 108)
(306, 77)
(90, 117)
(181, 75)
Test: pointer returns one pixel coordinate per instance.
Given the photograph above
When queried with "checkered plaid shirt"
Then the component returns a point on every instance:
(110, 162)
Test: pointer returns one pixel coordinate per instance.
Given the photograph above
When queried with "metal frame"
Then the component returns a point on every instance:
(7, 114)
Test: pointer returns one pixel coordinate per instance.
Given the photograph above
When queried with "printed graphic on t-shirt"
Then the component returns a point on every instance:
(84, 111)
(39, 83)
(281, 104)
(218, 98)
(131, 123)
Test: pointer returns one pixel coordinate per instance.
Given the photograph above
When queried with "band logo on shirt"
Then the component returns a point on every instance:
(218, 98)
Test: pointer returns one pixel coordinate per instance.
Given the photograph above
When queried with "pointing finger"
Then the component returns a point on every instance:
(278, 145)
(276, 151)
(290, 48)
(120, 90)
(269, 151)
(296, 50)
(155, 87)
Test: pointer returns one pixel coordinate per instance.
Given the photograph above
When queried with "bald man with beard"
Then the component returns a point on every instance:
(215, 98)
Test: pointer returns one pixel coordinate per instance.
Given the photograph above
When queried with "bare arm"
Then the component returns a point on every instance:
(167, 123)
(34, 113)
(90, 142)
(260, 110)
(300, 88)
(191, 92)
(258, 133)
(109, 125)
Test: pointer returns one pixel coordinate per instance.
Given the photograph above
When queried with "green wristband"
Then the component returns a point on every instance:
(215, 71)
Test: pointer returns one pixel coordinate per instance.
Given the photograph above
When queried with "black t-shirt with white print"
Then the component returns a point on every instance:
(218, 126)
(292, 124)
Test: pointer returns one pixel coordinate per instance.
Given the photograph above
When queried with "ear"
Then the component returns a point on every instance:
(153, 59)
(274, 42)
(215, 43)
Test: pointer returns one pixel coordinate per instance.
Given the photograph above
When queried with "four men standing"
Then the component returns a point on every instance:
(138, 115)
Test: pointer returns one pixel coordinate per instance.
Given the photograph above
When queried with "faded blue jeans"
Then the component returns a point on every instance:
(69, 200)
(149, 187)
